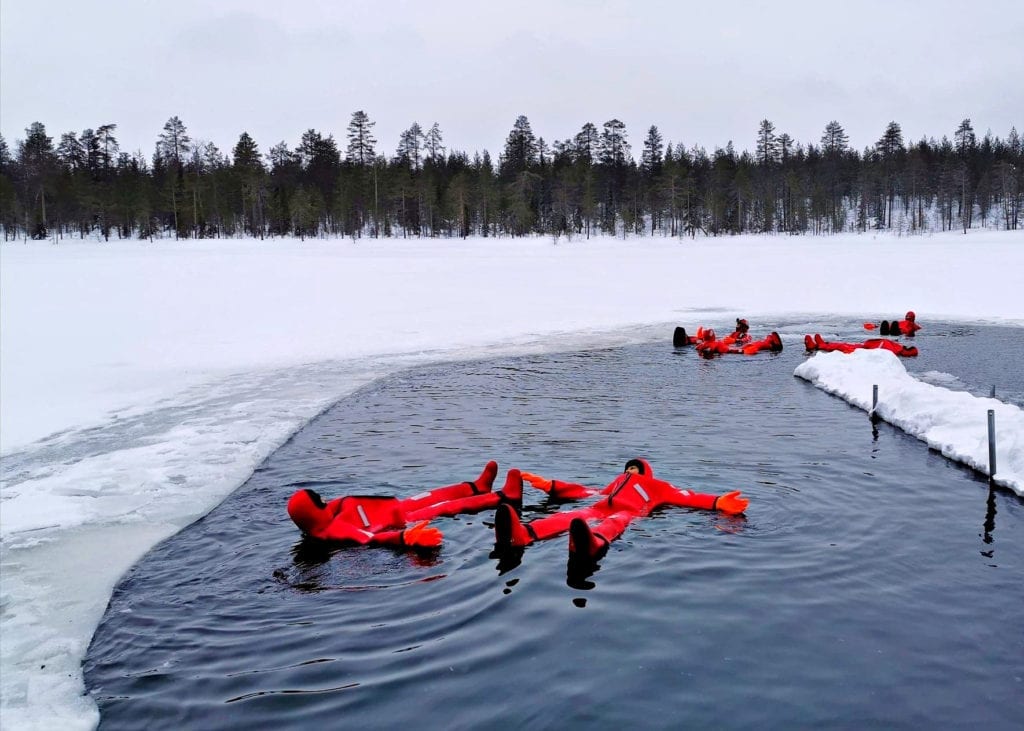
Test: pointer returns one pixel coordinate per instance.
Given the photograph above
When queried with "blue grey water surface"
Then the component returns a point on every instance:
(871, 584)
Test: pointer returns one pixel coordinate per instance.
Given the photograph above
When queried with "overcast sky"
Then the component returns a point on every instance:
(704, 72)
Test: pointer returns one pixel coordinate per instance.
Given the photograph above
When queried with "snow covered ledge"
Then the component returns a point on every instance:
(953, 422)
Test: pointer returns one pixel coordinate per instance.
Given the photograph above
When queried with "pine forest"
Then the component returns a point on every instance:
(84, 186)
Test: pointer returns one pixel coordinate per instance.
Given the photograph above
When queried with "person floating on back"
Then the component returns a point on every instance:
(818, 343)
(907, 326)
(385, 520)
(633, 494)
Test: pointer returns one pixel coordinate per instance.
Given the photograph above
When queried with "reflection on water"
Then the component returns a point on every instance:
(848, 596)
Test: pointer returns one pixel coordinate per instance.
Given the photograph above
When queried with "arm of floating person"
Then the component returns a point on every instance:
(419, 535)
(689, 499)
(511, 493)
(559, 489)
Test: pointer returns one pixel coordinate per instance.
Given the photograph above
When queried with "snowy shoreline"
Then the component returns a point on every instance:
(142, 383)
(952, 422)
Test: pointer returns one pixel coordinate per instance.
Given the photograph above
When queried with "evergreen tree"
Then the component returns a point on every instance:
(432, 144)
(321, 164)
(246, 154)
(588, 142)
(410, 146)
(9, 204)
(891, 141)
(834, 141)
(108, 146)
(520, 149)
(767, 144)
(614, 149)
(174, 143)
(833, 147)
(651, 166)
(891, 152)
(249, 175)
(652, 156)
(613, 156)
(360, 140)
(964, 139)
(70, 152)
(285, 169)
(172, 148)
(38, 163)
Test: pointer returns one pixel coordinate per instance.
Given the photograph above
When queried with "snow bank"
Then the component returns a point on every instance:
(952, 422)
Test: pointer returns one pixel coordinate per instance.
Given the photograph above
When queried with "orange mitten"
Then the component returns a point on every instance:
(541, 483)
(731, 503)
(422, 535)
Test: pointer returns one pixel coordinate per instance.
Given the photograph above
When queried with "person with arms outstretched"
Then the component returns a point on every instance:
(633, 494)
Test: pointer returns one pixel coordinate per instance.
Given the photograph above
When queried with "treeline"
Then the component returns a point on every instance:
(85, 185)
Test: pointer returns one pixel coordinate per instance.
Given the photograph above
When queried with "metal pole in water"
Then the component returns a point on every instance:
(993, 394)
(874, 397)
(991, 443)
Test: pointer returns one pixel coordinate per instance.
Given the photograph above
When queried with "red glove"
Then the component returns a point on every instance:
(541, 483)
(421, 535)
(731, 503)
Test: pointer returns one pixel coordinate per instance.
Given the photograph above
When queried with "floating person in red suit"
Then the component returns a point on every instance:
(680, 338)
(741, 335)
(711, 348)
(385, 520)
(633, 494)
(819, 343)
(907, 326)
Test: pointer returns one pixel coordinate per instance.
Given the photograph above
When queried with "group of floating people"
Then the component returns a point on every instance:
(739, 341)
(708, 344)
(391, 521)
(634, 494)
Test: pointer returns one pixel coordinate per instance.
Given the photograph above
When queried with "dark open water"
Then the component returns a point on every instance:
(872, 583)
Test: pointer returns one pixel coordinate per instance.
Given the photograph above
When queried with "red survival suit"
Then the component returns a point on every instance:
(907, 326)
(681, 338)
(383, 520)
(627, 497)
(819, 343)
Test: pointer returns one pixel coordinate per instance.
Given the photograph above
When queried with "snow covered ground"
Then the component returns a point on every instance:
(142, 382)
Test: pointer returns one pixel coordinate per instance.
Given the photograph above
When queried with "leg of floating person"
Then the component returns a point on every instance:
(809, 343)
(592, 543)
(680, 338)
(511, 494)
(584, 543)
(755, 347)
(510, 531)
(480, 485)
